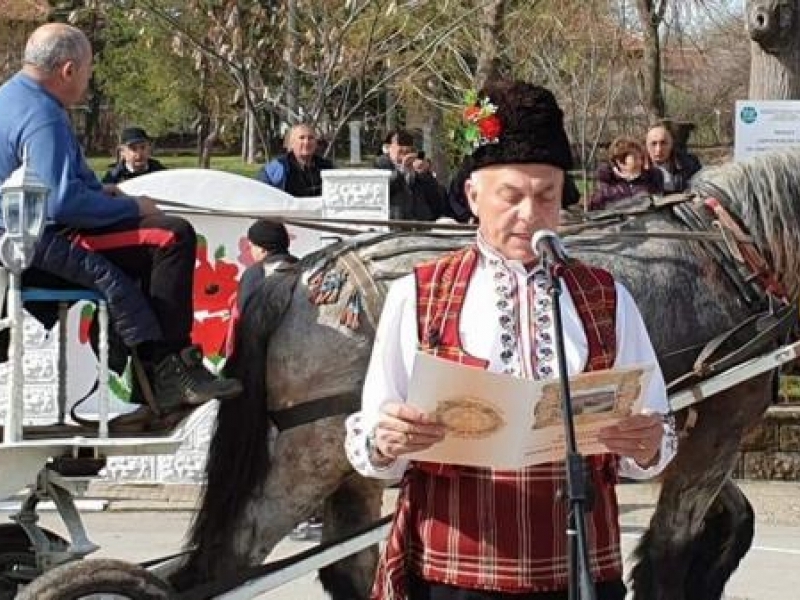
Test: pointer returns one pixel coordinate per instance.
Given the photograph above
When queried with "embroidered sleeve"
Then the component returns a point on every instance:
(387, 376)
(634, 347)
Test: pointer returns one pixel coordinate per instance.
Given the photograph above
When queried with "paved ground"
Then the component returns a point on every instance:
(148, 522)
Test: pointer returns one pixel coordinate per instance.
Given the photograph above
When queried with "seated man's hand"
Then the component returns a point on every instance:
(637, 436)
(403, 428)
(147, 206)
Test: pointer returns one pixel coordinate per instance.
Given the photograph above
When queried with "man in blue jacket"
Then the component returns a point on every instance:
(126, 238)
(298, 172)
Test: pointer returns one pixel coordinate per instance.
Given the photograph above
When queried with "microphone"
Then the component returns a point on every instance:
(548, 245)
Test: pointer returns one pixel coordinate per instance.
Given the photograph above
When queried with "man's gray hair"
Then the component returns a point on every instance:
(50, 51)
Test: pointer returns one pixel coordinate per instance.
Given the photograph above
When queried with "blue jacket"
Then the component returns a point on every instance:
(276, 172)
(32, 118)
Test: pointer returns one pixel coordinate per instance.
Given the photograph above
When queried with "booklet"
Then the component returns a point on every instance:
(506, 422)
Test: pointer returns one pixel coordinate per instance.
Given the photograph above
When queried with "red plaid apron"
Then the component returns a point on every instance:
(496, 529)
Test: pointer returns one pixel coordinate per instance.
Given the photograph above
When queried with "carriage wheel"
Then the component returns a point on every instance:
(97, 579)
(17, 558)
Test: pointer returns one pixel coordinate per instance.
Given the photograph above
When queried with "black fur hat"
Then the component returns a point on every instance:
(523, 123)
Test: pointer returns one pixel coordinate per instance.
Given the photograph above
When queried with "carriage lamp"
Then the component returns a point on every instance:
(24, 204)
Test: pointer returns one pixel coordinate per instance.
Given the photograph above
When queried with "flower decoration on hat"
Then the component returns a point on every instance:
(482, 125)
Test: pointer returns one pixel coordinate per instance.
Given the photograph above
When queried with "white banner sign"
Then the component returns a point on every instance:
(764, 125)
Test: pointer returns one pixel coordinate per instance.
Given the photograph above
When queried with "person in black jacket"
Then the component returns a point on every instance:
(135, 150)
(414, 192)
(269, 245)
(677, 165)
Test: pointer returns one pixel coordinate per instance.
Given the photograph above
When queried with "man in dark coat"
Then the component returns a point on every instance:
(135, 150)
(676, 165)
(269, 245)
(414, 193)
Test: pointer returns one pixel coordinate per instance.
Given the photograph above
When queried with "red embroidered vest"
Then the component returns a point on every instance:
(497, 529)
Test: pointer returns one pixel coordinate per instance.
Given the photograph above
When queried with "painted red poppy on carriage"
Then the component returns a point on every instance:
(210, 334)
(214, 282)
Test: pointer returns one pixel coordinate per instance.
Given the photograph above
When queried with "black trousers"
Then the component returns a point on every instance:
(419, 589)
(159, 252)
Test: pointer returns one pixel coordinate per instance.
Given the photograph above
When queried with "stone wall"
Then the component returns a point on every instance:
(772, 449)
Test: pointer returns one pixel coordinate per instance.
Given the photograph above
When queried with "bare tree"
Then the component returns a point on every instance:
(578, 55)
(774, 28)
(491, 41)
(651, 16)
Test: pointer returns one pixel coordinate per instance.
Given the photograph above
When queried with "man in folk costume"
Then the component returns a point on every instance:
(471, 533)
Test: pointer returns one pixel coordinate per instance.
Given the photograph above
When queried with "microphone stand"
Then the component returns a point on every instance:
(581, 586)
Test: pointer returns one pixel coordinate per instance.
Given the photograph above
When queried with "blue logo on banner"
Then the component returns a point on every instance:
(749, 114)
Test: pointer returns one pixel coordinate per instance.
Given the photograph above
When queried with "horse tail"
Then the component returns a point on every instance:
(238, 457)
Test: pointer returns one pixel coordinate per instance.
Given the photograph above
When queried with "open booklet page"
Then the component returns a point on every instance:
(505, 422)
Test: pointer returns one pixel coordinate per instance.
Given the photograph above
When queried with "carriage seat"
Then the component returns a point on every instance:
(40, 291)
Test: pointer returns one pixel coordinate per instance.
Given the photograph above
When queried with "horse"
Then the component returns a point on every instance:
(305, 343)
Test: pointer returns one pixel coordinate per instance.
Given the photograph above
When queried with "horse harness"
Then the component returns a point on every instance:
(707, 222)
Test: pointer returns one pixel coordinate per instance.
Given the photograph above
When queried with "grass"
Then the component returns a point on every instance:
(231, 164)
(790, 388)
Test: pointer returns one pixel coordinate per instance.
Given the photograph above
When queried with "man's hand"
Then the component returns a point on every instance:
(402, 429)
(422, 165)
(407, 162)
(112, 189)
(637, 436)
(147, 206)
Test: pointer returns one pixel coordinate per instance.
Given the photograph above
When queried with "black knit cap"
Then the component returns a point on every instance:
(271, 236)
(532, 128)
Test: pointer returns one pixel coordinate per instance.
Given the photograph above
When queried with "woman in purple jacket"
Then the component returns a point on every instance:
(625, 175)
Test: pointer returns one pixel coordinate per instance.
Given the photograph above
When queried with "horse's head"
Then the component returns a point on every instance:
(763, 193)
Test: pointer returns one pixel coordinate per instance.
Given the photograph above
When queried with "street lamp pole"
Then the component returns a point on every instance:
(24, 207)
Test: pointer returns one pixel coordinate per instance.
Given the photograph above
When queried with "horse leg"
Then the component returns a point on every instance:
(356, 504)
(726, 537)
(308, 465)
(704, 462)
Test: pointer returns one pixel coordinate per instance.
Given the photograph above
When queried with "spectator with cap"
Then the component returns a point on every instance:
(414, 192)
(134, 152)
(269, 246)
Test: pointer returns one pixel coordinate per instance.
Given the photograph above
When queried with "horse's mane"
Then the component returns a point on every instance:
(764, 193)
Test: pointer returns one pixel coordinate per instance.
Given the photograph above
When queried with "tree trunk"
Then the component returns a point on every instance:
(774, 28)
(651, 15)
(292, 80)
(654, 93)
(252, 137)
(491, 36)
(208, 143)
(245, 136)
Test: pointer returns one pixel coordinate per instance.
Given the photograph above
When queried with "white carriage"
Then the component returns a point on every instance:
(56, 461)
